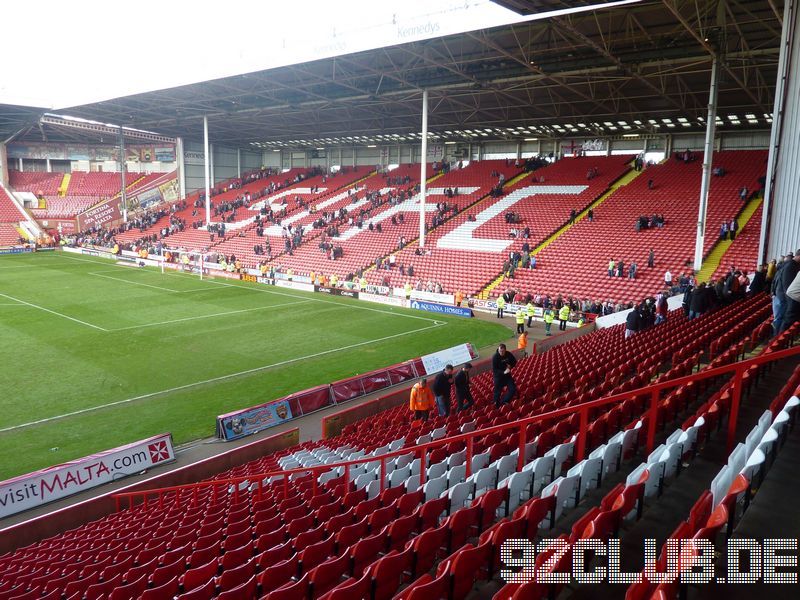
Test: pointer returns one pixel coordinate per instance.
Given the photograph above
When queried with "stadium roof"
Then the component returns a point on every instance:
(642, 68)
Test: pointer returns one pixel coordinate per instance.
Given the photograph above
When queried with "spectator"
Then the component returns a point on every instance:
(502, 363)
(441, 390)
(464, 397)
(633, 322)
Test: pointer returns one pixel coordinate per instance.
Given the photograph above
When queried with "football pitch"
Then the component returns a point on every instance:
(96, 355)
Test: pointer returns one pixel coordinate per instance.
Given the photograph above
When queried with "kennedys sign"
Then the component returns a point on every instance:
(41, 487)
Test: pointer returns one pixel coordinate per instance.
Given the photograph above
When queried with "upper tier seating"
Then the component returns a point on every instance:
(35, 182)
(262, 535)
(94, 184)
(362, 247)
(576, 263)
(466, 255)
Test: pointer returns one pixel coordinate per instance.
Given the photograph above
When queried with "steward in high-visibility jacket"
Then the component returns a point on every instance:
(421, 399)
(530, 309)
(549, 316)
(407, 289)
(501, 306)
(459, 297)
(520, 318)
(563, 317)
(581, 321)
(362, 283)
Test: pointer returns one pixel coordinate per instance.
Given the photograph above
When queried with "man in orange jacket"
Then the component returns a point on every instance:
(421, 399)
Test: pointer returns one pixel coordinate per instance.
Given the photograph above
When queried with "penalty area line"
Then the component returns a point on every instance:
(213, 379)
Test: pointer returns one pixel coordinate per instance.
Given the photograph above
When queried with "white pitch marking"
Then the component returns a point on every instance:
(215, 379)
(53, 312)
(155, 287)
(221, 314)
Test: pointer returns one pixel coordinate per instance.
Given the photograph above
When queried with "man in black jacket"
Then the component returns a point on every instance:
(441, 390)
(463, 393)
(633, 322)
(502, 363)
(697, 301)
(759, 282)
(791, 308)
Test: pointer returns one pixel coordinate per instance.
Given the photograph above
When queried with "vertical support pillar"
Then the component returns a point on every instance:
(779, 226)
(207, 168)
(20, 165)
(239, 163)
(213, 177)
(423, 168)
(181, 167)
(123, 163)
(49, 167)
(708, 150)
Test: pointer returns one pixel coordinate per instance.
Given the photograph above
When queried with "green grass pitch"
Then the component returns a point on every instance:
(142, 353)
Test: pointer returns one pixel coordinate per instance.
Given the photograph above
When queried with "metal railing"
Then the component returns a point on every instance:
(519, 427)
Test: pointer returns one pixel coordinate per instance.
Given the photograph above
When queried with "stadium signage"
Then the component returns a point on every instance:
(426, 296)
(294, 285)
(457, 355)
(388, 300)
(337, 292)
(34, 489)
(16, 250)
(251, 278)
(101, 214)
(442, 309)
(380, 290)
(234, 425)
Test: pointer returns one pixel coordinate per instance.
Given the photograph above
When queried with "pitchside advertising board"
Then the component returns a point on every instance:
(457, 355)
(252, 420)
(442, 309)
(34, 489)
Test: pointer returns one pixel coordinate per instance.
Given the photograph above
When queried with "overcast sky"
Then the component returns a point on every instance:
(61, 54)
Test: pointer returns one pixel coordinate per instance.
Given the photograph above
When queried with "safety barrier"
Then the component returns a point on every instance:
(520, 427)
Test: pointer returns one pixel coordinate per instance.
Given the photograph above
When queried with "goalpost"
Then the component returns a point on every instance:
(188, 261)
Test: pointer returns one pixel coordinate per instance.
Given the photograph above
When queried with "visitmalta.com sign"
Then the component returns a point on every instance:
(41, 487)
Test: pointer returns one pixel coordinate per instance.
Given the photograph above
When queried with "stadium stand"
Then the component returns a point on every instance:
(576, 263)
(382, 524)
(35, 182)
(348, 197)
(743, 251)
(362, 246)
(10, 216)
(458, 260)
(94, 184)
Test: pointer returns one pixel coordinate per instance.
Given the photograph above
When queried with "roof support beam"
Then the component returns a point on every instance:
(704, 43)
